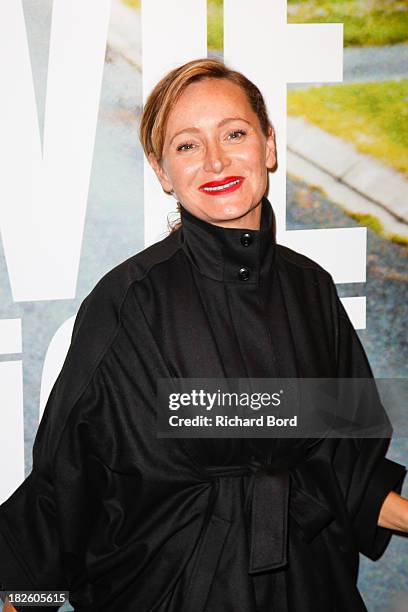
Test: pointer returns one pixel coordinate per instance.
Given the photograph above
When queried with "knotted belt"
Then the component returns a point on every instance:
(271, 497)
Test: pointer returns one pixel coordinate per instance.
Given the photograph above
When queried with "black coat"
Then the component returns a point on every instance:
(127, 521)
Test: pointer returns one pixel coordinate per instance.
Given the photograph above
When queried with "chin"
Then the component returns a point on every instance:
(234, 212)
(221, 208)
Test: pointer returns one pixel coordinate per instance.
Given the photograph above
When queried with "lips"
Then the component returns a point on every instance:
(225, 185)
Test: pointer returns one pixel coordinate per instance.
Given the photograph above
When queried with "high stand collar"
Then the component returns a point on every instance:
(233, 255)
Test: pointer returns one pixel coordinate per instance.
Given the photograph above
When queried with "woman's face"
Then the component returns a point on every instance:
(215, 155)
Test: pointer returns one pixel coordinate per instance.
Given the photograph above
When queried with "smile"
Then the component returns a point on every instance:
(229, 184)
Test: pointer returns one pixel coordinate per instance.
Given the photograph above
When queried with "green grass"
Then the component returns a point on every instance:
(215, 23)
(366, 22)
(373, 116)
(368, 220)
(399, 239)
(132, 3)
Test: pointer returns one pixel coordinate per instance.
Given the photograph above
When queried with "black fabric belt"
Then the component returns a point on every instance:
(271, 497)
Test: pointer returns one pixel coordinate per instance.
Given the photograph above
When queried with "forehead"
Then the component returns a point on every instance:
(209, 101)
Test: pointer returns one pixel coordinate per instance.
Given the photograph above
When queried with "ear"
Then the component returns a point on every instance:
(160, 173)
(271, 149)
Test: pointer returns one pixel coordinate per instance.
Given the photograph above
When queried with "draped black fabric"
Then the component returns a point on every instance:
(128, 521)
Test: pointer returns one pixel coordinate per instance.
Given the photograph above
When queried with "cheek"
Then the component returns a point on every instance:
(182, 171)
(254, 158)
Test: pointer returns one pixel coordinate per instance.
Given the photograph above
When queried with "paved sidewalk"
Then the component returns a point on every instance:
(367, 64)
(379, 63)
(357, 181)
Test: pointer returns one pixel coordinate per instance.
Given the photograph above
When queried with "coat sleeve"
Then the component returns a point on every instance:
(45, 523)
(365, 474)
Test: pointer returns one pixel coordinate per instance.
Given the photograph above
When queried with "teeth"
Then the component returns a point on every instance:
(221, 187)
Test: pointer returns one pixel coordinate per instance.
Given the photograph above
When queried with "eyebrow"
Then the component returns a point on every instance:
(221, 123)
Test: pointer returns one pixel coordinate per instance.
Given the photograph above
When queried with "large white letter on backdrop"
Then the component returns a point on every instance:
(43, 194)
(259, 42)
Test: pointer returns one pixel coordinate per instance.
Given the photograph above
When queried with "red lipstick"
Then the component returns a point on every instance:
(225, 185)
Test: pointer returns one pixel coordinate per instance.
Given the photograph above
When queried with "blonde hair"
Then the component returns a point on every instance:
(168, 90)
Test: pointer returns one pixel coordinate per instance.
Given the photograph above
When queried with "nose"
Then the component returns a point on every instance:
(215, 158)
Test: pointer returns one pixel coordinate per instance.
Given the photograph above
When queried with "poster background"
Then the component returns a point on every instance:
(114, 230)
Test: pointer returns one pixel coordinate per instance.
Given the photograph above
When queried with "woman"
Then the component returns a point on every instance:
(128, 521)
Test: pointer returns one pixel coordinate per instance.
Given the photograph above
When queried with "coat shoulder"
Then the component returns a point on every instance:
(101, 308)
(293, 260)
(107, 297)
(116, 282)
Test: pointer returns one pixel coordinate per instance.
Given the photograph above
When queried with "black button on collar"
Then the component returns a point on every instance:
(244, 274)
(246, 239)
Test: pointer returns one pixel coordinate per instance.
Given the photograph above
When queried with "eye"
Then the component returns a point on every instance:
(237, 134)
(185, 147)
